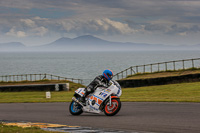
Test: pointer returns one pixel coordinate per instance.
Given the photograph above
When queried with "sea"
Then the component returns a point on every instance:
(83, 65)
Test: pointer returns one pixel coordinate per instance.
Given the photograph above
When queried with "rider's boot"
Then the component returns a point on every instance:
(82, 100)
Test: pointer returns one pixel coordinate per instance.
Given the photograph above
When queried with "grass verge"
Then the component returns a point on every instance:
(168, 73)
(15, 129)
(184, 92)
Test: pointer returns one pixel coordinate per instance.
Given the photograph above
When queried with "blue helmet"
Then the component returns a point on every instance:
(108, 74)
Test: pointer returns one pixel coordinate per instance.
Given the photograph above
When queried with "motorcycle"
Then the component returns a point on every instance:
(101, 100)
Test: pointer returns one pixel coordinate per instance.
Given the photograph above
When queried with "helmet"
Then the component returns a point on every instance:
(108, 74)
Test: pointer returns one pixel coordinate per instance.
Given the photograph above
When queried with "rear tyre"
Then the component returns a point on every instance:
(114, 108)
(75, 108)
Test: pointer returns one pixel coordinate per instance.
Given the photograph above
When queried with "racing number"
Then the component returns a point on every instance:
(97, 100)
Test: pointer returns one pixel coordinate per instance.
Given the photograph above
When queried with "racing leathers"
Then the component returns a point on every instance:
(99, 81)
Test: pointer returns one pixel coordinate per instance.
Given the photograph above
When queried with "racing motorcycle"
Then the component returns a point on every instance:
(101, 100)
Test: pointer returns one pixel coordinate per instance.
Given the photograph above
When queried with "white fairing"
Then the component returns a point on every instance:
(95, 99)
(80, 91)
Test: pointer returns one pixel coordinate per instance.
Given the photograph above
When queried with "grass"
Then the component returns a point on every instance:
(15, 129)
(168, 73)
(184, 92)
(36, 96)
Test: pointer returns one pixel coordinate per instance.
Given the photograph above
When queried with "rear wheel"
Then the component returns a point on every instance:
(75, 108)
(114, 108)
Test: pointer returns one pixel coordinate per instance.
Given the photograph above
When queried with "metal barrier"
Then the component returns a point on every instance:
(36, 77)
(158, 67)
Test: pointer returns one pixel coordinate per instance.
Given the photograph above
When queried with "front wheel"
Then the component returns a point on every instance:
(114, 108)
(75, 108)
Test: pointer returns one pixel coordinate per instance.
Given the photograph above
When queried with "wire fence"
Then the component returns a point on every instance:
(159, 67)
(36, 77)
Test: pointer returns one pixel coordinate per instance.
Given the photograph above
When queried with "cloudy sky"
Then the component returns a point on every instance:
(36, 22)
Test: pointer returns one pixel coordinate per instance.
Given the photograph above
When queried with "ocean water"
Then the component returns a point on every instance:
(83, 65)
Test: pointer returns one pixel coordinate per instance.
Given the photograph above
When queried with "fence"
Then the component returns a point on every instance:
(158, 67)
(36, 77)
(155, 67)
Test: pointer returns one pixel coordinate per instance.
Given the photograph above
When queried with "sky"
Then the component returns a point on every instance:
(37, 22)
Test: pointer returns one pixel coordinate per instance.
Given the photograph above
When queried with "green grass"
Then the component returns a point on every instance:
(15, 129)
(39, 96)
(184, 92)
(167, 73)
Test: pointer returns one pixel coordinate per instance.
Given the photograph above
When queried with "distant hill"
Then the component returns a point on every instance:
(11, 46)
(91, 43)
(88, 42)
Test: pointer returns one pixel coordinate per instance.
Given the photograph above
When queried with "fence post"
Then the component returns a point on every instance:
(136, 69)
(131, 70)
(144, 69)
(192, 63)
(158, 67)
(45, 76)
(165, 66)
(151, 68)
(174, 65)
(183, 65)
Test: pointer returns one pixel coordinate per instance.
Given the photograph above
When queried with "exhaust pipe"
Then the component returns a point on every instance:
(74, 99)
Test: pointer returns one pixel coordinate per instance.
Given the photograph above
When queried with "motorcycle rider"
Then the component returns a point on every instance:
(99, 81)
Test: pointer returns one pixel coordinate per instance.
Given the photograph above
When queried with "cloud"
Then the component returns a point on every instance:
(19, 34)
(37, 26)
(95, 26)
(45, 18)
(28, 22)
(40, 31)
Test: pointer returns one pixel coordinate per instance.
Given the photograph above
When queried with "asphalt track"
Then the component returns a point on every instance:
(133, 116)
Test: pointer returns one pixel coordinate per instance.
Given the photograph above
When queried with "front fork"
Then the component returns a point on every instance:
(110, 101)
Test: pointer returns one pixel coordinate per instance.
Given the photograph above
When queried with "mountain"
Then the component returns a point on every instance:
(11, 46)
(81, 40)
(91, 43)
(61, 41)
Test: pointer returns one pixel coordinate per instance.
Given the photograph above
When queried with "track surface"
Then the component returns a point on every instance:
(133, 116)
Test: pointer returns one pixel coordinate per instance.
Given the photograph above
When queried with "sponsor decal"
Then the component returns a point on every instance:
(107, 90)
(118, 91)
(97, 100)
(103, 94)
(94, 108)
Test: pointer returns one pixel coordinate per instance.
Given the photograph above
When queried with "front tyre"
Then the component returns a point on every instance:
(114, 108)
(75, 108)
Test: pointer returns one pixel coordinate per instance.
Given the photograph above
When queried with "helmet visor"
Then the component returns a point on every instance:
(110, 76)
